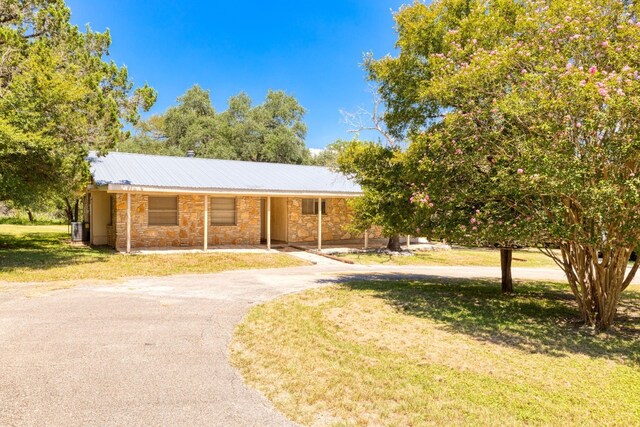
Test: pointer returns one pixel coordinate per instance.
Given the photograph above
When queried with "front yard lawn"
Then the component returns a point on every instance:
(441, 353)
(456, 256)
(43, 254)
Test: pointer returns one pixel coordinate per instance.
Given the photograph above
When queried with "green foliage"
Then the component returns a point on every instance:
(273, 131)
(538, 138)
(380, 171)
(329, 156)
(58, 98)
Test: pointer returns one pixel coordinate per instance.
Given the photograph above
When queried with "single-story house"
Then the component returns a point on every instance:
(149, 201)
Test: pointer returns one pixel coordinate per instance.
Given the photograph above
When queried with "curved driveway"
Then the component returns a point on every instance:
(153, 351)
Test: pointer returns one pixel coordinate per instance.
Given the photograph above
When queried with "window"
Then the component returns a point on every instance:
(223, 211)
(163, 210)
(310, 207)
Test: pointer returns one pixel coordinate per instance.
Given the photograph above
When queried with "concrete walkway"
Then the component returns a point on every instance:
(153, 351)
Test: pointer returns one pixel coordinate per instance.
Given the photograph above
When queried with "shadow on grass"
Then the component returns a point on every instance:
(536, 318)
(38, 251)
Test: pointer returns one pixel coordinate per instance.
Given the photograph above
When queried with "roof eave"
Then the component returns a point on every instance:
(128, 188)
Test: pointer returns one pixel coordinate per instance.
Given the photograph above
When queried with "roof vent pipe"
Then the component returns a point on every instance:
(191, 153)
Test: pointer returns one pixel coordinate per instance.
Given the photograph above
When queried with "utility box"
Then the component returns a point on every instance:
(76, 232)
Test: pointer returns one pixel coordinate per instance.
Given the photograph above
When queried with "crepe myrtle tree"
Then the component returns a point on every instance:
(542, 98)
(453, 185)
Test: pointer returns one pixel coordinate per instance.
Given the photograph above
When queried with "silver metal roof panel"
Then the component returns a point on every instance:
(142, 170)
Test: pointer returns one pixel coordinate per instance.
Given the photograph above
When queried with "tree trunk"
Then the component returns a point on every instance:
(597, 284)
(76, 210)
(30, 215)
(68, 210)
(506, 255)
(394, 243)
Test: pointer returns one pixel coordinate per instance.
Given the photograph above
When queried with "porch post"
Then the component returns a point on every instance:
(269, 223)
(408, 241)
(319, 223)
(128, 222)
(206, 223)
(366, 239)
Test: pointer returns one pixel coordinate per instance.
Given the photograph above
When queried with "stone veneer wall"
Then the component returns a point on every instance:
(111, 228)
(304, 228)
(190, 229)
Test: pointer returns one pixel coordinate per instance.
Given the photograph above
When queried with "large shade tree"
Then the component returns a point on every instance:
(537, 105)
(273, 131)
(59, 98)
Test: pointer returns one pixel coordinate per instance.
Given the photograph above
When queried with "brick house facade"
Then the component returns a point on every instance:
(189, 230)
(128, 211)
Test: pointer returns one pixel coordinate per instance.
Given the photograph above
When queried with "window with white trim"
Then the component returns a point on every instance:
(310, 207)
(163, 210)
(223, 211)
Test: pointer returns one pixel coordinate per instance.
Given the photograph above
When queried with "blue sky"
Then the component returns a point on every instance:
(310, 49)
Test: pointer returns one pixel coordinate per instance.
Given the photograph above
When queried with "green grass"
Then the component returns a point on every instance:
(467, 257)
(419, 353)
(44, 254)
(18, 220)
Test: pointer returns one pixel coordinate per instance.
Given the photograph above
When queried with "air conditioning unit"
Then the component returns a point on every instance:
(76, 232)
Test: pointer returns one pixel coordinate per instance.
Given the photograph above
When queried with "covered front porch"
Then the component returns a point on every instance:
(135, 221)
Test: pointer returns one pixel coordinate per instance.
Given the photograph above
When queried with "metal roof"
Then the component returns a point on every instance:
(187, 173)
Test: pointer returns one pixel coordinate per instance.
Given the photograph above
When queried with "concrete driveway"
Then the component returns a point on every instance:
(152, 351)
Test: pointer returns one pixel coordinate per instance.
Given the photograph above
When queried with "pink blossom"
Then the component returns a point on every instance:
(567, 19)
(620, 92)
(583, 83)
(474, 228)
(430, 205)
(458, 151)
(578, 125)
(632, 174)
(520, 171)
(603, 92)
(473, 220)
(593, 69)
(626, 68)
(605, 44)
(523, 71)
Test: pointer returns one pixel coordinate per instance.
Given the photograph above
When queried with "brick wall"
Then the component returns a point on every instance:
(304, 228)
(189, 232)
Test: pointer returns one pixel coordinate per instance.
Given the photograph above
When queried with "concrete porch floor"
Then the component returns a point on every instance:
(328, 247)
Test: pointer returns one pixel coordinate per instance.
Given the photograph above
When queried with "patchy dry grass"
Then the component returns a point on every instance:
(44, 254)
(440, 353)
(467, 257)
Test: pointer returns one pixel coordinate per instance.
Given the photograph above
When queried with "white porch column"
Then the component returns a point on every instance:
(268, 222)
(408, 241)
(319, 223)
(206, 223)
(366, 239)
(128, 222)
